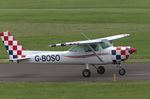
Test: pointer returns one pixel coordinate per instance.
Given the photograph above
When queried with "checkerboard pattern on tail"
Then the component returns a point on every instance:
(14, 49)
(120, 54)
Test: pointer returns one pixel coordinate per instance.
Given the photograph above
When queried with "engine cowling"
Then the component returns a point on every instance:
(121, 53)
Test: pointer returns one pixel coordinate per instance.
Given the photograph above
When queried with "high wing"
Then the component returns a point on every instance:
(110, 38)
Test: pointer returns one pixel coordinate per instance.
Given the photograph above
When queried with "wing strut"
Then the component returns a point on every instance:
(92, 48)
(95, 53)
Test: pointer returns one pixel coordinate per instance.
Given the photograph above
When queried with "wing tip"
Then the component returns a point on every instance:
(126, 34)
(53, 45)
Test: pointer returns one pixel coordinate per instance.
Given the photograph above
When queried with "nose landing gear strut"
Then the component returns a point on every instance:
(122, 71)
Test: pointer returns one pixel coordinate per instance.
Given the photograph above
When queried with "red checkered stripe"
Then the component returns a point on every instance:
(120, 53)
(14, 49)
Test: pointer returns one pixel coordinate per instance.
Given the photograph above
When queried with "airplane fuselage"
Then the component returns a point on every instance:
(68, 57)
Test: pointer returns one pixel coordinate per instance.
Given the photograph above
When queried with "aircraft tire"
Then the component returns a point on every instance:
(86, 73)
(101, 70)
(122, 71)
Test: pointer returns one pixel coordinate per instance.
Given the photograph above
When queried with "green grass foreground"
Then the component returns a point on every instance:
(116, 90)
(38, 23)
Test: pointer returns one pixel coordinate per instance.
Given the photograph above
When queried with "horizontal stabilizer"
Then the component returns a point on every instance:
(19, 59)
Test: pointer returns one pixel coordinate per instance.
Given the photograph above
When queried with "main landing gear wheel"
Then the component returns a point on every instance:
(86, 73)
(100, 70)
(122, 71)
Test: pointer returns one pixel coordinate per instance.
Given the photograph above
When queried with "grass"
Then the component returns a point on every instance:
(59, 4)
(37, 23)
(80, 90)
(78, 16)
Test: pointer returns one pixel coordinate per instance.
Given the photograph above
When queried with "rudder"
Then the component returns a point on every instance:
(14, 49)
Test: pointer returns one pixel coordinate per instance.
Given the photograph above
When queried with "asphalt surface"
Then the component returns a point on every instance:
(69, 73)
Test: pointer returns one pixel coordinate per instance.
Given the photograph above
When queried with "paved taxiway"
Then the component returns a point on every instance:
(46, 72)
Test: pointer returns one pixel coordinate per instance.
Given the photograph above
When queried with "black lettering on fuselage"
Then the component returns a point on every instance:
(47, 58)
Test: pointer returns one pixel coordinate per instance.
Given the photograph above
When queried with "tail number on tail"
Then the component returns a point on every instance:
(47, 58)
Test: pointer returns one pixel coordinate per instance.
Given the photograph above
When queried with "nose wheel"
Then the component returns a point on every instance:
(122, 71)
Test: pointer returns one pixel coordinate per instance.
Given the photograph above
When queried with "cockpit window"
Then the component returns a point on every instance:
(77, 49)
(105, 44)
(94, 46)
(86, 48)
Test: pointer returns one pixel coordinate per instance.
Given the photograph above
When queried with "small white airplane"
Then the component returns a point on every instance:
(94, 53)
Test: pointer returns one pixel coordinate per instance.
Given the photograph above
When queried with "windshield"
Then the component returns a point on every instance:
(105, 45)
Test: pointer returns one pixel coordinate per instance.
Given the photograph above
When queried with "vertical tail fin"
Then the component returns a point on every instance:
(14, 49)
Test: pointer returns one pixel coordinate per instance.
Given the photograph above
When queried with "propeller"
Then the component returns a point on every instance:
(132, 50)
